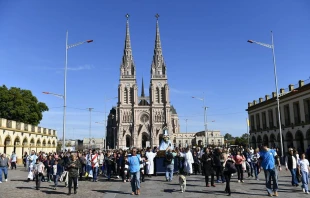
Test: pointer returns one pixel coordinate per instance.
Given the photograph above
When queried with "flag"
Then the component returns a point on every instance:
(248, 122)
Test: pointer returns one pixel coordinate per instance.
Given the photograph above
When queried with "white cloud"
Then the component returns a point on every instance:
(79, 68)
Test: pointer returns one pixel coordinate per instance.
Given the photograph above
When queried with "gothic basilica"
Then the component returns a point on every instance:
(139, 120)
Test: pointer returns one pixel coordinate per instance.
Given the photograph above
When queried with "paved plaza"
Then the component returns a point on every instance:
(18, 187)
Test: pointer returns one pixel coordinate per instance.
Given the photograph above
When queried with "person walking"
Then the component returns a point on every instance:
(38, 172)
(73, 168)
(57, 171)
(169, 163)
(254, 160)
(150, 164)
(239, 159)
(208, 165)
(4, 164)
(303, 168)
(95, 165)
(229, 169)
(13, 160)
(267, 162)
(134, 167)
(291, 164)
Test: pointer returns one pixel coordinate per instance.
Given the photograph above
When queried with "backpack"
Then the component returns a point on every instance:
(169, 158)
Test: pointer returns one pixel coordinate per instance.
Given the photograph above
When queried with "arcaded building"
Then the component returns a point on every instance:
(295, 119)
(20, 137)
(138, 119)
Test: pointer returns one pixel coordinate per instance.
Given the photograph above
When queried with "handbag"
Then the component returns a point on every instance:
(298, 178)
(243, 165)
(230, 167)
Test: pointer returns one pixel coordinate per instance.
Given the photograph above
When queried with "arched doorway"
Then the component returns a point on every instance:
(49, 143)
(265, 140)
(25, 144)
(38, 144)
(272, 141)
(200, 143)
(53, 144)
(128, 141)
(259, 141)
(253, 143)
(16, 143)
(145, 139)
(7, 142)
(32, 145)
(289, 140)
(44, 143)
(299, 137)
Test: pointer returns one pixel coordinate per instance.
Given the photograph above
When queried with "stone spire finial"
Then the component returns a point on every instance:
(158, 69)
(157, 39)
(142, 89)
(127, 65)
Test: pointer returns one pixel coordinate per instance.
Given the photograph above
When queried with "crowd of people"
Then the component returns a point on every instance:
(217, 165)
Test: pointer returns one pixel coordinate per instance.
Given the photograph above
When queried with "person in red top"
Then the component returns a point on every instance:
(239, 159)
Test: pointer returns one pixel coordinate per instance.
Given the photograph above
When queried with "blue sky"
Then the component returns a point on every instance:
(204, 46)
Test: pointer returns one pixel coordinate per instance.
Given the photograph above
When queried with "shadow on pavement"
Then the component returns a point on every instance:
(50, 192)
(20, 180)
(110, 191)
(179, 185)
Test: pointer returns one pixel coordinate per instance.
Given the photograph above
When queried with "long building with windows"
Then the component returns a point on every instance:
(20, 137)
(295, 118)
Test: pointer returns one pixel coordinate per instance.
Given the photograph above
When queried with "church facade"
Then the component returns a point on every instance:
(139, 120)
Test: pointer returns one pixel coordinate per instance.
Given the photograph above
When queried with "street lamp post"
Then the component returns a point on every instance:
(204, 118)
(90, 109)
(276, 83)
(64, 96)
(186, 129)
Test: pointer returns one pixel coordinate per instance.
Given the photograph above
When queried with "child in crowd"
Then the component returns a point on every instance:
(57, 171)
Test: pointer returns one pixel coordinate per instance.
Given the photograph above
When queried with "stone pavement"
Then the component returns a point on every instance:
(18, 187)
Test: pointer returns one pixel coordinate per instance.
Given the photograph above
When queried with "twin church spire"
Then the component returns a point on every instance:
(158, 67)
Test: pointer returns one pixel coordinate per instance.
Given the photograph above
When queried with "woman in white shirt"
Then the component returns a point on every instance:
(303, 168)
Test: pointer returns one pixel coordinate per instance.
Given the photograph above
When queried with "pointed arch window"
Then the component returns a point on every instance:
(162, 96)
(126, 96)
(157, 95)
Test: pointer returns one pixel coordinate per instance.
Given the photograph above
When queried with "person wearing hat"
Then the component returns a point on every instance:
(291, 164)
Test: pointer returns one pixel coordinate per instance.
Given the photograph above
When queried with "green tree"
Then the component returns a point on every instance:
(245, 136)
(241, 141)
(228, 136)
(20, 105)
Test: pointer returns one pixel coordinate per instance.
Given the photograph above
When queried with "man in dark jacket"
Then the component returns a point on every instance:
(208, 165)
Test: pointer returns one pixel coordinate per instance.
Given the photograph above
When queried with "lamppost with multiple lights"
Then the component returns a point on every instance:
(204, 118)
(271, 46)
(64, 96)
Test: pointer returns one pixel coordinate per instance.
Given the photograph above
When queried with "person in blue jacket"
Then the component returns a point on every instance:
(134, 168)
